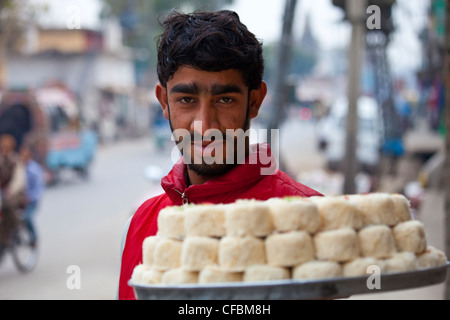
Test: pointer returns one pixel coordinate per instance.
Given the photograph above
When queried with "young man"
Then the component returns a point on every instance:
(210, 69)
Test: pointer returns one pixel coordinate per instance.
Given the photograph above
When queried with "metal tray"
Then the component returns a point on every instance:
(292, 289)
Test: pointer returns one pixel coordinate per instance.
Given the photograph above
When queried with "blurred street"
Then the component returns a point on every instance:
(77, 84)
(81, 222)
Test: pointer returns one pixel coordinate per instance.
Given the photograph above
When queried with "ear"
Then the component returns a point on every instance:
(256, 99)
(161, 95)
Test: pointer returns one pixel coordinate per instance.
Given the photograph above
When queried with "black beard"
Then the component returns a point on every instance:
(216, 170)
(211, 170)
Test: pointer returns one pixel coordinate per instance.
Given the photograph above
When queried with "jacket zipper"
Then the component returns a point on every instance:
(184, 199)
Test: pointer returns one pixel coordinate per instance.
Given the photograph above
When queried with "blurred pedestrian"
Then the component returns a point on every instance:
(12, 186)
(34, 189)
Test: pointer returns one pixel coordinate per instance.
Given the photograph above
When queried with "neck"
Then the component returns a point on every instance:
(193, 178)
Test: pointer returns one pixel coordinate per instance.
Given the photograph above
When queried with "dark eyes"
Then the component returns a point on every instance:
(188, 100)
(226, 100)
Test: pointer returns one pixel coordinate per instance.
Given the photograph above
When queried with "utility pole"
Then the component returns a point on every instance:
(284, 61)
(377, 42)
(356, 13)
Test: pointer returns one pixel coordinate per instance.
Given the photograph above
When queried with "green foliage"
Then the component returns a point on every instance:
(147, 12)
(140, 22)
(15, 16)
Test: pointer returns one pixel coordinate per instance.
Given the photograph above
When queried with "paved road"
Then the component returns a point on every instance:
(80, 224)
(298, 146)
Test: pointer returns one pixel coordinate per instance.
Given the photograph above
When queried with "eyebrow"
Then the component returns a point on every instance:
(216, 89)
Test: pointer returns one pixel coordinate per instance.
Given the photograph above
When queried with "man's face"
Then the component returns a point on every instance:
(201, 102)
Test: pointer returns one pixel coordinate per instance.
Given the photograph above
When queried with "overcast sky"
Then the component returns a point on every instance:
(264, 18)
(409, 15)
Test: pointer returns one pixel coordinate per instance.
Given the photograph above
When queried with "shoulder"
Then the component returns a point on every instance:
(144, 220)
(150, 206)
(288, 186)
(141, 225)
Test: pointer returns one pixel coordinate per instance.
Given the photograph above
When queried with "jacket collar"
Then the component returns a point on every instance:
(259, 163)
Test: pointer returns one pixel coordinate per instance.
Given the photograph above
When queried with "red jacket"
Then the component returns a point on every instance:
(242, 182)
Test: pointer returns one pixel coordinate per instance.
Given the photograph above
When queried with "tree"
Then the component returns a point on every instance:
(140, 22)
(15, 16)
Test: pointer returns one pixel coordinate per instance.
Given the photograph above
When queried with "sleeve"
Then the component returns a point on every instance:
(122, 246)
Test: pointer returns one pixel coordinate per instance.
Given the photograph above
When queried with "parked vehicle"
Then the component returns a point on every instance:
(332, 134)
(48, 117)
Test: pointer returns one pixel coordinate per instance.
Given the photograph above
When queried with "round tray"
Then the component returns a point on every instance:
(294, 289)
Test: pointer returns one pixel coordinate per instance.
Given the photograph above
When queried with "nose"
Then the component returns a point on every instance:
(206, 118)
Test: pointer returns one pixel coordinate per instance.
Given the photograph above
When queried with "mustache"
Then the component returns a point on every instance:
(213, 135)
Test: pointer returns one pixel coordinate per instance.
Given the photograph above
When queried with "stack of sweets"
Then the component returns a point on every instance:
(285, 238)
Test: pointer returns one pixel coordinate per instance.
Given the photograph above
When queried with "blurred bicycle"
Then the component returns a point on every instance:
(17, 240)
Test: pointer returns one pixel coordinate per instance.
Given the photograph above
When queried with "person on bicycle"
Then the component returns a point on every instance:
(34, 189)
(12, 186)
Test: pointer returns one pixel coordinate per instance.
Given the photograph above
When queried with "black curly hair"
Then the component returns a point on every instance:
(209, 41)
